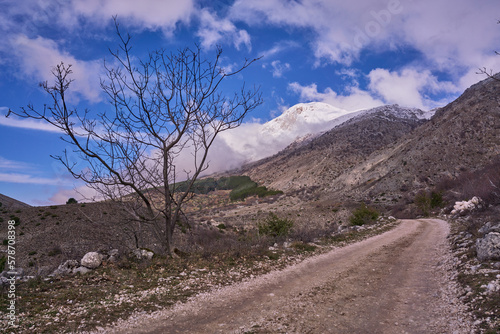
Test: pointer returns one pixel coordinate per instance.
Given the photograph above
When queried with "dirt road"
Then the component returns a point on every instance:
(396, 282)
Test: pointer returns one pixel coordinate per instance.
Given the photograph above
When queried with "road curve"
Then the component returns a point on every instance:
(395, 282)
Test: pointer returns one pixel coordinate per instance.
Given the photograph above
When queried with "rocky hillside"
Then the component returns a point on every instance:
(8, 202)
(390, 150)
(316, 161)
(462, 136)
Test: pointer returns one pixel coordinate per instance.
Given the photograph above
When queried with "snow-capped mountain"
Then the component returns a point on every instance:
(396, 111)
(304, 119)
(300, 123)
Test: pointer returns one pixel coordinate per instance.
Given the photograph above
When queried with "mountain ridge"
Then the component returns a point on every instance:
(379, 153)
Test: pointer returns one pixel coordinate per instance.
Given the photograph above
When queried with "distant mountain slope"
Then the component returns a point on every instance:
(316, 161)
(8, 202)
(462, 136)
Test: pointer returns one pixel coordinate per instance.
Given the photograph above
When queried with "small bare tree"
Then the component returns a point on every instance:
(489, 73)
(161, 106)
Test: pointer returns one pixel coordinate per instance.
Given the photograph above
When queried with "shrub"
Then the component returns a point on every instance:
(3, 260)
(426, 202)
(423, 202)
(16, 219)
(275, 226)
(55, 251)
(71, 201)
(363, 215)
(437, 200)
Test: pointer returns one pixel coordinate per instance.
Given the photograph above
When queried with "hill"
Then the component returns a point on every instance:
(389, 153)
(316, 161)
(8, 202)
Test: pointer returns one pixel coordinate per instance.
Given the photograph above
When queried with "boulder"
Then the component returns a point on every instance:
(81, 270)
(113, 255)
(489, 227)
(65, 268)
(488, 247)
(141, 254)
(91, 260)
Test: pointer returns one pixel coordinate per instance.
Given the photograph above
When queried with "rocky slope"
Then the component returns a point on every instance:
(462, 136)
(390, 151)
(315, 161)
(8, 202)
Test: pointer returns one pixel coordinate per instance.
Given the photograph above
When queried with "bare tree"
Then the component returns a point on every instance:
(489, 73)
(163, 105)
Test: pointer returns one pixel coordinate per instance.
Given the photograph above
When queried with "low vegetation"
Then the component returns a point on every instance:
(364, 215)
(241, 187)
(275, 226)
(117, 290)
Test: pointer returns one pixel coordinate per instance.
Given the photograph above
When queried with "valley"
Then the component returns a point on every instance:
(352, 227)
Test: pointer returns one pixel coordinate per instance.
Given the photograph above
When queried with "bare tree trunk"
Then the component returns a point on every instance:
(163, 105)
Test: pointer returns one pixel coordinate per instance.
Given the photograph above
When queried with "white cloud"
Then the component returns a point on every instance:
(27, 123)
(409, 87)
(37, 57)
(279, 68)
(6, 164)
(451, 35)
(341, 28)
(279, 47)
(356, 99)
(145, 14)
(26, 178)
(213, 30)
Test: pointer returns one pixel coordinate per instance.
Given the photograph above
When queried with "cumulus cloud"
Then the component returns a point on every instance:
(409, 87)
(355, 99)
(149, 14)
(447, 33)
(37, 57)
(341, 28)
(278, 68)
(213, 30)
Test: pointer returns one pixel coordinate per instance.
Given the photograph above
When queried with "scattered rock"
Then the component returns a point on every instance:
(488, 247)
(91, 260)
(143, 254)
(489, 227)
(113, 255)
(65, 268)
(463, 207)
(81, 270)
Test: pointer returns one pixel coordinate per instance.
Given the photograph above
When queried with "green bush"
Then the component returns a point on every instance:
(437, 200)
(16, 219)
(275, 226)
(3, 260)
(426, 202)
(364, 215)
(71, 201)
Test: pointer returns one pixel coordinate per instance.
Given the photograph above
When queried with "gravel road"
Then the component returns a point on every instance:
(396, 282)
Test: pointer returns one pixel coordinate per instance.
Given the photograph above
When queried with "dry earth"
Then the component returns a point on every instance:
(396, 282)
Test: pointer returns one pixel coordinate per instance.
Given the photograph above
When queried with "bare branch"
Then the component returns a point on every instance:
(159, 106)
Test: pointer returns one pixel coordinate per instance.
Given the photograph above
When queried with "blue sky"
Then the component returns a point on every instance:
(351, 54)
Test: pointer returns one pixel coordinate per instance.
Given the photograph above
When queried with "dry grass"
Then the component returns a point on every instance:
(114, 291)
